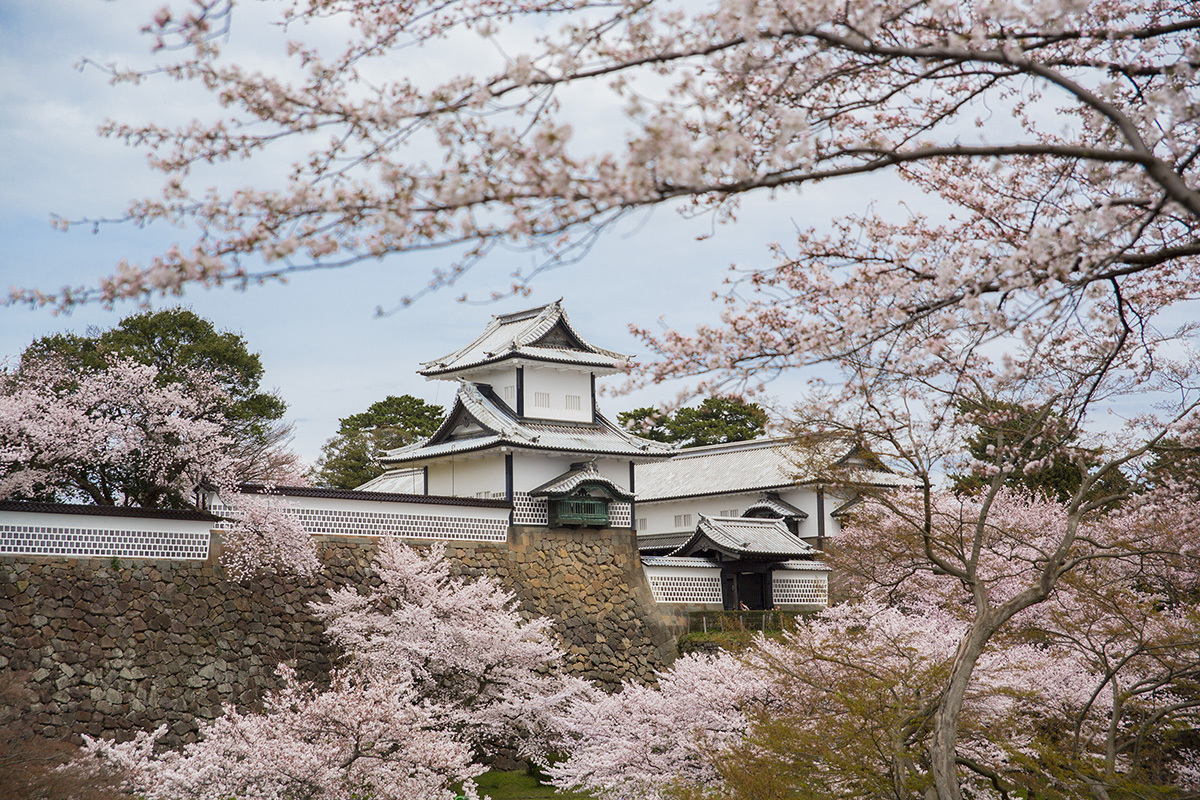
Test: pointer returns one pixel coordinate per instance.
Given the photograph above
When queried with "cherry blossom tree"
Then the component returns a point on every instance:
(264, 537)
(649, 741)
(112, 437)
(495, 679)
(435, 672)
(356, 739)
(1075, 122)
(1123, 612)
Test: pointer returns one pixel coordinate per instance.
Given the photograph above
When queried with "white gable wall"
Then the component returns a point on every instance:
(531, 470)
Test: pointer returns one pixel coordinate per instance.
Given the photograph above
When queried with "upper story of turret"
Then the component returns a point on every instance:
(535, 362)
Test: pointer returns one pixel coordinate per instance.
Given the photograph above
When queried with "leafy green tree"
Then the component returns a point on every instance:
(715, 421)
(180, 343)
(177, 341)
(1007, 432)
(350, 458)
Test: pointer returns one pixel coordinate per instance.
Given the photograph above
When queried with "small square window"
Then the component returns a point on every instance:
(683, 520)
(573, 402)
(541, 399)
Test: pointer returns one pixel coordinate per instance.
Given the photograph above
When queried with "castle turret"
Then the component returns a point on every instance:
(525, 426)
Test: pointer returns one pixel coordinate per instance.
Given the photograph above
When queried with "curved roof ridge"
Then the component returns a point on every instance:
(580, 474)
(745, 537)
(517, 334)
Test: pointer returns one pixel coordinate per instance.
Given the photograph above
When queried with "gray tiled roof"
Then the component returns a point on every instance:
(568, 481)
(756, 465)
(500, 427)
(517, 335)
(678, 561)
(769, 501)
(745, 537)
(396, 481)
(806, 566)
(663, 541)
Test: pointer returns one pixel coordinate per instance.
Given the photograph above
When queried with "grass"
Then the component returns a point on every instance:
(520, 786)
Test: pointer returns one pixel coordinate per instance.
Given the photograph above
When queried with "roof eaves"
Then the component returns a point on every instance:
(386, 497)
(36, 507)
(742, 490)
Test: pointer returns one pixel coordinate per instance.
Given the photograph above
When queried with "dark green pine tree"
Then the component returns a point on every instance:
(715, 421)
(1004, 431)
(351, 458)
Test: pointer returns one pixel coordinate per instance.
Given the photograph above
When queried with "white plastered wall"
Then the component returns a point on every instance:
(97, 535)
(531, 470)
(465, 476)
(503, 382)
(555, 386)
(661, 515)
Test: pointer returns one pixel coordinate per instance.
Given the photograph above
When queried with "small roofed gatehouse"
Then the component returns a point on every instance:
(756, 514)
(525, 427)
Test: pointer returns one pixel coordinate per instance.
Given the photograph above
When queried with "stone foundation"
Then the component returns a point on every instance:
(112, 647)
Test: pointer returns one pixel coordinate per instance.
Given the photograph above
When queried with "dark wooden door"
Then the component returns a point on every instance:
(751, 589)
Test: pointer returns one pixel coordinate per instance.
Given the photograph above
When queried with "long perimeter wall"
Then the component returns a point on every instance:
(116, 644)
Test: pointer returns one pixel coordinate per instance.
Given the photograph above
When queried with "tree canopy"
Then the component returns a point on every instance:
(180, 344)
(114, 416)
(351, 458)
(715, 421)
(113, 436)
(1055, 465)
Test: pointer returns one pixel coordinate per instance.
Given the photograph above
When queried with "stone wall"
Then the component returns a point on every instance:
(111, 647)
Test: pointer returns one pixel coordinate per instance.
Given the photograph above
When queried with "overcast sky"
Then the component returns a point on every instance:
(323, 348)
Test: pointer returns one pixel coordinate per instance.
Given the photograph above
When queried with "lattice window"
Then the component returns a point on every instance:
(685, 588)
(541, 399)
(510, 394)
(620, 515)
(573, 403)
(796, 590)
(641, 523)
(410, 526)
(45, 540)
(529, 510)
(683, 520)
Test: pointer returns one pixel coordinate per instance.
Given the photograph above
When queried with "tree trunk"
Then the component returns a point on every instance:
(943, 748)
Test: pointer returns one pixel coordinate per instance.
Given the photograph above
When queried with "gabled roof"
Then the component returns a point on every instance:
(396, 481)
(770, 502)
(745, 538)
(757, 465)
(580, 474)
(539, 334)
(498, 426)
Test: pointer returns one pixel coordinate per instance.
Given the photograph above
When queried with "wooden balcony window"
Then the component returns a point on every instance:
(575, 512)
